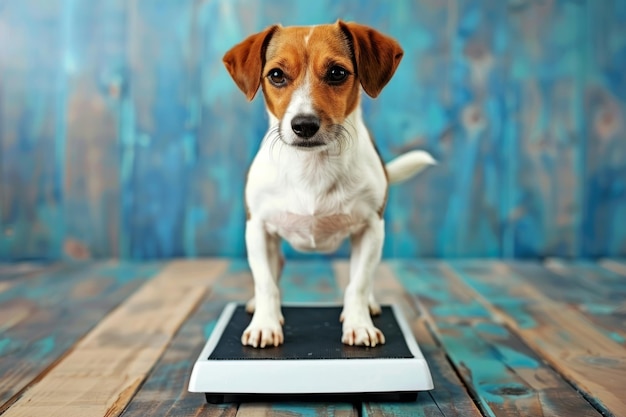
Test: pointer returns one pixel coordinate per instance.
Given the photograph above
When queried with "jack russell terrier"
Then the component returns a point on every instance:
(317, 177)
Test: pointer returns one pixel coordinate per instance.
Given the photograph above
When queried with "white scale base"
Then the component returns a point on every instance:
(312, 361)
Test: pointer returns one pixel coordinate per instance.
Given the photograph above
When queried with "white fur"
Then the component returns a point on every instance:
(407, 165)
(314, 199)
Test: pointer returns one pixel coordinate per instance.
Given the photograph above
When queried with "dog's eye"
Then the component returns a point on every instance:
(336, 75)
(277, 77)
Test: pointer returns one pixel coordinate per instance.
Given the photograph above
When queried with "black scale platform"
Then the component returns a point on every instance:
(311, 333)
(312, 363)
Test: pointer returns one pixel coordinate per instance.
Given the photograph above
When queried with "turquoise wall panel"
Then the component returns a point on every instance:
(121, 134)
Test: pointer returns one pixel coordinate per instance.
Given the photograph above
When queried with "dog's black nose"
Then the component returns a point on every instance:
(305, 125)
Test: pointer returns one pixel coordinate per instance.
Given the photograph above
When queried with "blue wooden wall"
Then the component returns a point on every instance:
(121, 134)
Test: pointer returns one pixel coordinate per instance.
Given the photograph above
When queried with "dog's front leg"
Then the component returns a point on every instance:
(358, 328)
(265, 328)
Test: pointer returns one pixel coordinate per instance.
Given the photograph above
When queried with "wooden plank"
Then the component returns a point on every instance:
(102, 372)
(23, 269)
(5, 286)
(216, 214)
(615, 265)
(449, 398)
(464, 131)
(576, 283)
(600, 282)
(11, 272)
(503, 374)
(32, 95)
(164, 393)
(42, 316)
(604, 222)
(295, 410)
(159, 152)
(590, 360)
(545, 128)
(598, 293)
(98, 89)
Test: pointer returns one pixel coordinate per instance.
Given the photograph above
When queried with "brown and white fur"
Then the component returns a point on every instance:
(317, 177)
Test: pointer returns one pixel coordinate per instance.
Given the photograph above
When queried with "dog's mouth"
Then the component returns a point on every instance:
(328, 138)
(308, 143)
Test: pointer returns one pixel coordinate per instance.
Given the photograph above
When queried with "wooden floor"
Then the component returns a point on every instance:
(501, 338)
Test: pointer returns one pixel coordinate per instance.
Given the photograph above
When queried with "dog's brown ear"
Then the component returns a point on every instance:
(245, 61)
(377, 56)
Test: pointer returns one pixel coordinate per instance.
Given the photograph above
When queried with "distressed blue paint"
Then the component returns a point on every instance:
(309, 282)
(487, 285)
(426, 408)
(516, 359)
(501, 372)
(64, 280)
(42, 348)
(617, 337)
(427, 284)
(6, 345)
(541, 171)
(31, 109)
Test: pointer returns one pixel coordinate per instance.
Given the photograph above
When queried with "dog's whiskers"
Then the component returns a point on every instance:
(274, 138)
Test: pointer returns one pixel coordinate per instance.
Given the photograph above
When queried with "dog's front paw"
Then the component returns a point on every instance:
(362, 336)
(361, 332)
(263, 332)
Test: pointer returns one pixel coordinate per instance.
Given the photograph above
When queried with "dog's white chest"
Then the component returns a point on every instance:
(320, 233)
(315, 201)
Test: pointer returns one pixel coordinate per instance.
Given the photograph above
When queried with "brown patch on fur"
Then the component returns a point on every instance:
(305, 54)
(377, 56)
(244, 61)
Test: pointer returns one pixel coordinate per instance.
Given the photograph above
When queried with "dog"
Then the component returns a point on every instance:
(317, 178)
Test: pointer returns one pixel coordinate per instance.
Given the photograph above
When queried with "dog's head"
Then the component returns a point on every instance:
(310, 76)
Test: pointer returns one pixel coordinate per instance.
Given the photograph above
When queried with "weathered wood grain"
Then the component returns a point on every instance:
(164, 393)
(604, 221)
(96, 128)
(296, 410)
(42, 316)
(4, 285)
(545, 132)
(161, 151)
(577, 283)
(24, 269)
(505, 376)
(598, 293)
(589, 359)
(10, 273)
(103, 371)
(449, 398)
(614, 265)
(120, 138)
(33, 89)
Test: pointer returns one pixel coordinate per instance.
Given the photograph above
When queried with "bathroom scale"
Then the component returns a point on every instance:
(312, 363)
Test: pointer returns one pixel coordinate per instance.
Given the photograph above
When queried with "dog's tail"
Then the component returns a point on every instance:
(406, 165)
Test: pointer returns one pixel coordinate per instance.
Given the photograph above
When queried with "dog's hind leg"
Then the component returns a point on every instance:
(375, 309)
